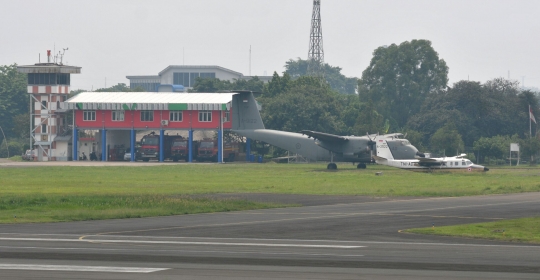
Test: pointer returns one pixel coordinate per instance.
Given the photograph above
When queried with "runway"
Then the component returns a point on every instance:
(352, 240)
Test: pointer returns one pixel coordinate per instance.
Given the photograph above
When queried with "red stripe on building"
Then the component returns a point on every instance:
(35, 89)
(48, 89)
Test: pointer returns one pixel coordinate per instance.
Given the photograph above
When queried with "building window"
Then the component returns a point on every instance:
(175, 116)
(89, 115)
(43, 128)
(118, 116)
(147, 116)
(188, 79)
(205, 116)
(43, 105)
(227, 116)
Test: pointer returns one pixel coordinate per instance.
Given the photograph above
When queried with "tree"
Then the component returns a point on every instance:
(13, 99)
(332, 75)
(351, 108)
(530, 147)
(447, 139)
(416, 138)
(120, 87)
(494, 108)
(369, 121)
(21, 124)
(210, 85)
(217, 85)
(277, 85)
(496, 147)
(304, 105)
(400, 78)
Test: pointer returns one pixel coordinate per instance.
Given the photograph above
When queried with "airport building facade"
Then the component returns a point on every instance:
(186, 75)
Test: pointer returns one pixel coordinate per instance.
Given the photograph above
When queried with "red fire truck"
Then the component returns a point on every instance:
(180, 150)
(150, 146)
(208, 150)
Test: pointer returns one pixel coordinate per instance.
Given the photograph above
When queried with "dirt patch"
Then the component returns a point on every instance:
(302, 199)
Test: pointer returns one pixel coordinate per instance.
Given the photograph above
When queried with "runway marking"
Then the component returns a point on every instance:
(183, 251)
(80, 268)
(81, 239)
(318, 217)
(295, 240)
(434, 216)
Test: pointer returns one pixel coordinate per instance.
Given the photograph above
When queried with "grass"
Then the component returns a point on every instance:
(62, 208)
(48, 193)
(261, 178)
(518, 230)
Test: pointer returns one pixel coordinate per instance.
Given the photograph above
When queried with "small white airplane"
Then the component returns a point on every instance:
(449, 164)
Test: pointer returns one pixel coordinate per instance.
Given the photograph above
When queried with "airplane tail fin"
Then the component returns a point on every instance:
(245, 110)
(383, 150)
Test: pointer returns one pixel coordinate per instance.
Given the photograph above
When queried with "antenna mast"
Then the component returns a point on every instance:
(316, 53)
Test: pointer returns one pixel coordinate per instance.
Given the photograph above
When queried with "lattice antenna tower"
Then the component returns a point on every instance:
(316, 53)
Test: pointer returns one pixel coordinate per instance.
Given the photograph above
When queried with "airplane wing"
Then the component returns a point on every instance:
(380, 160)
(325, 137)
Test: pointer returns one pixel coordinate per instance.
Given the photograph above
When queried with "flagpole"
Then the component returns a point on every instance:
(530, 120)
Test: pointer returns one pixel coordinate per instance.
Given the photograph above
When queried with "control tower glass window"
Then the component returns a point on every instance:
(48, 79)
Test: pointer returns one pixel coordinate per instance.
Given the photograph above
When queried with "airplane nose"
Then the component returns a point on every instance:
(486, 169)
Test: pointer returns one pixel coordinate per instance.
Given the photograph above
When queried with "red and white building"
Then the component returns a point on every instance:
(48, 87)
(118, 115)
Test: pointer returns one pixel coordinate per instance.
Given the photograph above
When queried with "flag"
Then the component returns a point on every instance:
(531, 116)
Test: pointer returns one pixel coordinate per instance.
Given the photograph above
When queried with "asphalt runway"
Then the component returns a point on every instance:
(340, 238)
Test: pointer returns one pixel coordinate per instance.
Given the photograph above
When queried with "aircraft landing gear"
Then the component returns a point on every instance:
(361, 166)
(331, 166)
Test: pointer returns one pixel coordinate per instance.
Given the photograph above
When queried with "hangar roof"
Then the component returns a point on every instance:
(149, 101)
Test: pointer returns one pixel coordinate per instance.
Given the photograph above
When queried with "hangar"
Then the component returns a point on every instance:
(118, 115)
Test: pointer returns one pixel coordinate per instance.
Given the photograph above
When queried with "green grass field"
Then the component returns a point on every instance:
(39, 194)
(518, 230)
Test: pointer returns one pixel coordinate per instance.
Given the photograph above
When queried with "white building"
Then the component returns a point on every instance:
(186, 75)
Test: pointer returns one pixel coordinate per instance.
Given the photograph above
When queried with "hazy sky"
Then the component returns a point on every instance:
(479, 40)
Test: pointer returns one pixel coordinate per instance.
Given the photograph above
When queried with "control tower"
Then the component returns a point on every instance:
(48, 88)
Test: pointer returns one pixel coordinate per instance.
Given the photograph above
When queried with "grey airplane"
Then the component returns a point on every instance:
(313, 145)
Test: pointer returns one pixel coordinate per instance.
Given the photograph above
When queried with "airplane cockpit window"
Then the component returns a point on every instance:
(469, 162)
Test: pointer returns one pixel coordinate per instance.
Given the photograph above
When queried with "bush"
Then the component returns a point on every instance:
(16, 148)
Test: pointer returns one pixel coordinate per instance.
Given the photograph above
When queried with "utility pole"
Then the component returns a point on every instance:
(316, 52)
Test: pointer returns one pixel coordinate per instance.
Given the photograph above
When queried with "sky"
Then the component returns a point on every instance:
(479, 40)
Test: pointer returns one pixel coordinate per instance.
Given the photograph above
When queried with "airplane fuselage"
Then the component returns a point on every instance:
(446, 164)
(356, 150)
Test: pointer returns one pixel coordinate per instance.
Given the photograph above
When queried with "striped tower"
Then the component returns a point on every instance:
(48, 88)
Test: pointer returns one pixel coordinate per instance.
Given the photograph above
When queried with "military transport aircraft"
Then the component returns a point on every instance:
(449, 164)
(316, 146)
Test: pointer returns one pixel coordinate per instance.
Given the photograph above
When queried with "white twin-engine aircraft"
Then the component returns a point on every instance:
(458, 163)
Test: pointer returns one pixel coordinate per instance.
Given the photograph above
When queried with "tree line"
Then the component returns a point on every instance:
(404, 89)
